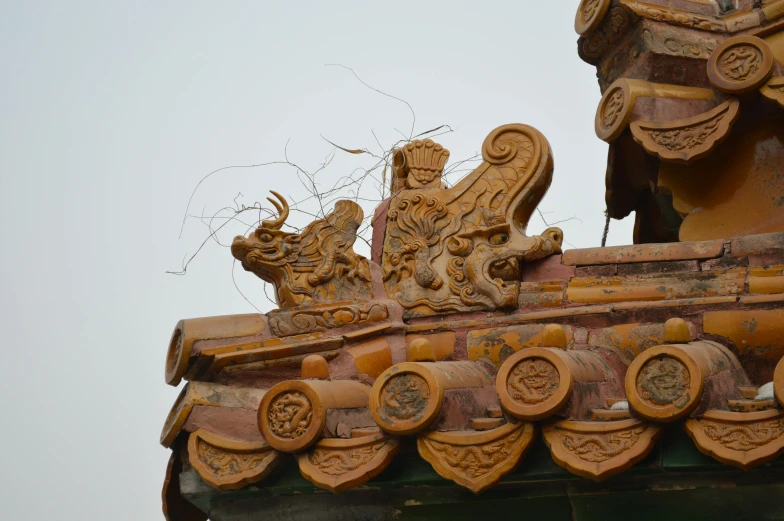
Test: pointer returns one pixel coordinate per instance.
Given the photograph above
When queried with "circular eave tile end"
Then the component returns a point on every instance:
(740, 64)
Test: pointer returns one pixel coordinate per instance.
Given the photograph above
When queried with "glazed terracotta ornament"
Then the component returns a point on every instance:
(687, 140)
(293, 413)
(476, 460)
(590, 14)
(340, 464)
(600, 449)
(315, 266)
(460, 249)
(195, 330)
(538, 382)
(740, 64)
(408, 397)
(774, 90)
(617, 104)
(198, 399)
(228, 464)
(778, 382)
(666, 383)
(740, 439)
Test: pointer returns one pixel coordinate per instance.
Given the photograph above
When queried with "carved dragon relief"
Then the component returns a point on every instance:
(315, 266)
(461, 249)
(740, 439)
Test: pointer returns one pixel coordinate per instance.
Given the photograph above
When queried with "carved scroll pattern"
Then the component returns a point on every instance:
(336, 461)
(223, 463)
(674, 16)
(290, 414)
(533, 380)
(471, 234)
(600, 446)
(743, 437)
(286, 323)
(664, 381)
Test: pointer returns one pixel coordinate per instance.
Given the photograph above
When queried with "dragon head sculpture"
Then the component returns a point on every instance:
(316, 265)
(492, 258)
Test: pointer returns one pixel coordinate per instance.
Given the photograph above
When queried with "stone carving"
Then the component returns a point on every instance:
(742, 439)
(461, 249)
(290, 414)
(601, 446)
(664, 381)
(589, 15)
(476, 460)
(317, 265)
(674, 16)
(740, 64)
(405, 397)
(228, 464)
(339, 464)
(598, 450)
(613, 27)
(533, 381)
(424, 163)
(320, 318)
(689, 139)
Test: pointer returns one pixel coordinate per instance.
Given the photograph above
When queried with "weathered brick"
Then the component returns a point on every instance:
(757, 244)
(675, 286)
(603, 270)
(644, 253)
(549, 268)
(541, 294)
(644, 268)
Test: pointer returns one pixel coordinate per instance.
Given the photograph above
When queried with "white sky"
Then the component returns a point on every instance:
(112, 112)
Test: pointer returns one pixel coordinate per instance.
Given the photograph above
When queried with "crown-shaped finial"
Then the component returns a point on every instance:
(425, 162)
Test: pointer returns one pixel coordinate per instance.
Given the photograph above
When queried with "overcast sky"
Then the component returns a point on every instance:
(110, 114)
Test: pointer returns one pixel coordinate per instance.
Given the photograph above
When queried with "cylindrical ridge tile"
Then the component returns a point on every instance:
(666, 383)
(536, 383)
(293, 414)
(407, 397)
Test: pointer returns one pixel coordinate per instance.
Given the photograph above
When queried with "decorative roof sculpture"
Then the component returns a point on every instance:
(490, 355)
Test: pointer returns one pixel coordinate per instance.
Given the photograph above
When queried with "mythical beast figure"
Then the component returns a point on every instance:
(461, 249)
(315, 266)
